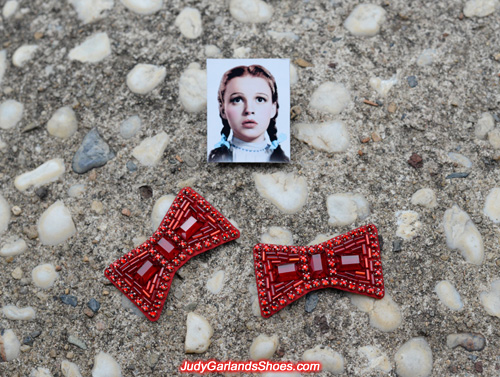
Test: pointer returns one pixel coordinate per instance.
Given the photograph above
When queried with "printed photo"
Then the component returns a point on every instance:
(248, 110)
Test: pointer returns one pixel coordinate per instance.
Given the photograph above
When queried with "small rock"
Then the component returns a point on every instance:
(198, 334)
(494, 138)
(4, 214)
(131, 166)
(76, 190)
(49, 171)
(189, 23)
(3, 65)
(44, 276)
(160, 208)
(416, 161)
(130, 127)
(212, 51)
(294, 76)
(468, 341)
(70, 369)
(424, 197)
(478, 366)
(457, 175)
(312, 299)
(14, 248)
(397, 245)
(484, 125)
(365, 20)
(491, 300)
(92, 153)
(392, 107)
(97, 207)
(153, 360)
(284, 190)
(241, 52)
(480, 8)
(94, 305)
(251, 11)
(448, 295)
(69, 300)
(330, 97)
(77, 342)
(94, 49)
(23, 55)
(55, 225)
(263, 347)
(382, 87)
(462, 234)
(346, 208)
(11, 113)
(17, 273)
(126, 212)
(277, 235)
(146, 192)
(330, 360)
(9, 345)
(216, 282)
(412, 81)
(10, 8)
(460, 159)
(331, 137)
(40, 372)
(193, 88)
(492, 205)
(31, 232)
(106, 366)
(89, 313)
(375, 137)
(303, 63)
(386, 314)
(377, 360)
(143, 78)
(150, 151)
(426, 57)
(143, 7)
(408, 224)
(19, 314)
(90, 11)
(414, 358)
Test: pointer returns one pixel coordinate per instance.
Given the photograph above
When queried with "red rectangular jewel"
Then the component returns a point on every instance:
(287, 272)
(167, 249)
(146, 272)
(189, 227)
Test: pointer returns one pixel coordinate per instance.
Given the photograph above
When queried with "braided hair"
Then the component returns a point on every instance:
(222, 153)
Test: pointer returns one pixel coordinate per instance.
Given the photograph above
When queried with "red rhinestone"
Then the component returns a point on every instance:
(190, 251)
(262, 293)
(316, 284)
(291, 295)
(183, 245)
(182, 256)
(307, 286)
(352, 286)
(303, 259)
(215, 240)
(145, 308)
(320, 248)
(157, 304)
(274, 306)
(370, 290)
(139, 301)
(160, 295)
(197, 246)
(302, 250)
(324, 282)
(305, 268)
(207, 243)
(126, 290)
(153, 313)
(163, 287)
(343, 283)
(379, 293)
(334, 281)
(361, 289)
(282, 301)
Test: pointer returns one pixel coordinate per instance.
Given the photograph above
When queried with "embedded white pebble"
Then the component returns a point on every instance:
(263, 347)
(130, 127)
(55, 225)
(365, 20)
(10, 8)
(4, 214)
(378, 361)
(70, 369)
(91, 10)
(14, 248)
(150, 151)
(144, 7)
(484, 125)
(331, 137)
(241, 52)
(3, 64)
(106, 366)
(23, 55)
(480, 8)
(462, 234)
(285, 190)
(63, 123)
(143, 78)
(491, 299)
(11, 113)
(40, 372)
(494, 138)
(212, 51)
(255, 306)
(408, 224)
(49, 171)
(382, 87)
(94, 49)
(77, 190)
(426, 57)
(346, 208)
(330, 360)
(294, 76)
(460, 159)
(448, 295)
(9, 345)
(386, 314)
(277, 235)
(330, 97)
(492, 205)
(198, 334)
(251, 11)
(189, 23)
(160, 209)
(44, 276)
(425, 197)
(193, 88)
(414, 359)
(216, 282)
(19, 314)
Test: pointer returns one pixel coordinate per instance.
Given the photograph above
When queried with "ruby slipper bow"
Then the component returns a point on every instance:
(190, 227)
(350, 262)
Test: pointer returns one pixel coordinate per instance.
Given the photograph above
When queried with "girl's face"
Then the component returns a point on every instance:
(248, 107)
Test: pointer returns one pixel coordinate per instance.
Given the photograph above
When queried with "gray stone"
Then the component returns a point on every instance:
(93, 153)
(457, 175)
(131, 166)
(77, 342)
(412, 81)
(311, 301)
(397, 245)
(469, 341)
(69, 300)
(94, 305)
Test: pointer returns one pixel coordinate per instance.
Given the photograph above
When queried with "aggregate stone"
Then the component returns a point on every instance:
(94, 152)
(69, 300)
(312, 299)
(94, 305)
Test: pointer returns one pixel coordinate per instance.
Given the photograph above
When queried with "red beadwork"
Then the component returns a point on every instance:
(190, 227)
(349, 262)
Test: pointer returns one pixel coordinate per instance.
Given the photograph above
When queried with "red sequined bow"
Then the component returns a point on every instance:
(190, 227)
(350, 262)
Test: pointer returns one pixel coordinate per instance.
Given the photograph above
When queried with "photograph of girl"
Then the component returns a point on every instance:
(246, 128)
